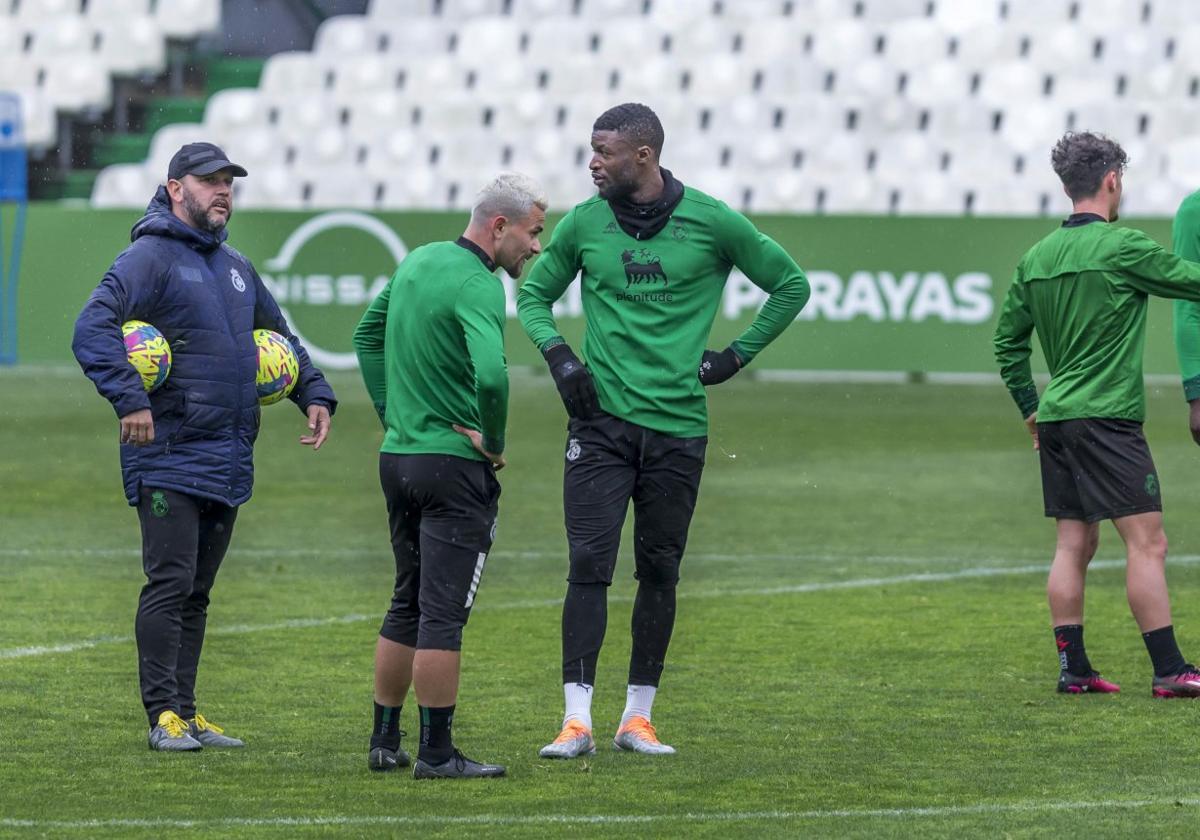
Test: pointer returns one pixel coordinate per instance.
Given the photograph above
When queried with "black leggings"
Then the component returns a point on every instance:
(184, 540)
(610, 462)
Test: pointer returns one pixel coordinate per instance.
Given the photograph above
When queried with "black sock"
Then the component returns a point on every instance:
(436, 744)
(1164, 653)
(1071, 654)
(386, 732)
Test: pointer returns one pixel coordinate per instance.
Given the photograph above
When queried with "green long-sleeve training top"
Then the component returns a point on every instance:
(649, 304)
(1185, 236)
(1084, 289)
(431, 351)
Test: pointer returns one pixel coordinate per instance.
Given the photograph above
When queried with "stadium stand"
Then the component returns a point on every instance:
(832, 106)
(61, 55)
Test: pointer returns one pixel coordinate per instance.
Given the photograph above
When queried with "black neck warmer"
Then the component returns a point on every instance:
(642, 221)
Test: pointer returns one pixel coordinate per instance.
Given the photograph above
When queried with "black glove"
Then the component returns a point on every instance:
(574, 382)
(716, 367)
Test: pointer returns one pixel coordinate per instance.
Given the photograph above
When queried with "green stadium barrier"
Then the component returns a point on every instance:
(889, 293)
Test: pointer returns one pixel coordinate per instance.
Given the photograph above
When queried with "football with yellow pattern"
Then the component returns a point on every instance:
(278, 367)
(148, 352)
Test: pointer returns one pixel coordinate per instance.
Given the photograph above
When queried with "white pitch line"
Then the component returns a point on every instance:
(1026, 807)
(515, 554)
(795, 589)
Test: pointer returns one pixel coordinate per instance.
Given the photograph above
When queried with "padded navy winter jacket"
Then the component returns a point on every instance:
(207, 300)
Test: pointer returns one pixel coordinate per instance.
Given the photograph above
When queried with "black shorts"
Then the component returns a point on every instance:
(1095, 469)
(610, 462)
(442, 515)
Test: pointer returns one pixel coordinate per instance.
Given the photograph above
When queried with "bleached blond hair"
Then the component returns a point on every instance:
(510, 194)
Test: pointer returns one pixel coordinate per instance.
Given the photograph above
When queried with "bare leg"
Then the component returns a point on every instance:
(1076, 546)
(435, 677)
(1146, 569)
(393, 672)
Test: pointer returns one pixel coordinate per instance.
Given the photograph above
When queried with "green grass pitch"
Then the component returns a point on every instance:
(862, 646)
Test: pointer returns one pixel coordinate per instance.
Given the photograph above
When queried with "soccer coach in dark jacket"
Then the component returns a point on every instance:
(187, 448)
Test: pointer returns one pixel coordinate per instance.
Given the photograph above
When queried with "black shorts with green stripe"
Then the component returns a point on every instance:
(1097, 468)
(442, 518)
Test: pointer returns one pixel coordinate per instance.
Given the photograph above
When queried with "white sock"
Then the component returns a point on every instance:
(579, 703)
(638, 700)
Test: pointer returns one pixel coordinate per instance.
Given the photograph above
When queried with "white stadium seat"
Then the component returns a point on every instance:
(187, 18)
(167, 140)
(535, 10)
(844, 43)
(78, 84)
(234, 110)
(324, 149)
(631, 41)
(124, 185)
(338, 188)
(459, 10)
(39, 118)
(256, 148)
(413, 37)
(837, 106)
(66, 36)
(1014, 81)
(132, 46)
(109, 11)
(399, 9)
(962, 16)
(293, 73)
(932, 195)
(914, 43)
(560, 36)
(46, 10)
(894, 11)
(489, 37)
(1012, 199)
(345, 35)
(395, 151)
(276, 187)
(368, 74)
(1183, 159)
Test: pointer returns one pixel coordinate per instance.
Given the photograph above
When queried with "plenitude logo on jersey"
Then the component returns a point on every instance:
(324, 276)
(645, 278)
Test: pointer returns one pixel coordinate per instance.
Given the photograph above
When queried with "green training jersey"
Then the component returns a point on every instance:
(1185, 235)
(431, 350)
(649, 304)
(1084, 290)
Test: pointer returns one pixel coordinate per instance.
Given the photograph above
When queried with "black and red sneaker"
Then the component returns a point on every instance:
(1184, 684)
(1089, 683)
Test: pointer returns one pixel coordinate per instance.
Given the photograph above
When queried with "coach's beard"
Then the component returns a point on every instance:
(201, 218)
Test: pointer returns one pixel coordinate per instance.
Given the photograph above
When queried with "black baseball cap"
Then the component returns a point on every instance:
(200, 159)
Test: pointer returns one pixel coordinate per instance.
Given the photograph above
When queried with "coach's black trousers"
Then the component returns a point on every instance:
(184, 540)
(610, 462)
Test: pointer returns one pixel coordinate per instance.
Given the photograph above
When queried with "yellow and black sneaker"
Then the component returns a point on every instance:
(211, 735)
(171, 734)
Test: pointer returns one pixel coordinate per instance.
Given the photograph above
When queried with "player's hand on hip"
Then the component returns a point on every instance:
(574, 382)
(497, 461)
(318, 424)
(1031, 425)
(717, 366)
(1194, 419)
(137, 427)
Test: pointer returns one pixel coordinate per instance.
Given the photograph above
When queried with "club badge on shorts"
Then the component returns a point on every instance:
(573, 449)
(158, 504)
(238, 282)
